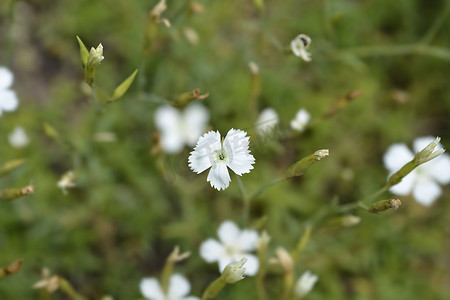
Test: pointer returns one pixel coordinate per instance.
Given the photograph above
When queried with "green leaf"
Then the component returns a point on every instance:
(84, 53)
(123, 87)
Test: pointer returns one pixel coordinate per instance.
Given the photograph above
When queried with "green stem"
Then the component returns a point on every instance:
(95, 99)
(418, 48)
(432, 31)
(265, 187)
(213, 289)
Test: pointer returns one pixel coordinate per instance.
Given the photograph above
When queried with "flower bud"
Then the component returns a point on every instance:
(305, 283)
(383, 205)
(95, 57)
(234, 271)
(429, 152)
(302, 165)
(12, 268)
(13, 193)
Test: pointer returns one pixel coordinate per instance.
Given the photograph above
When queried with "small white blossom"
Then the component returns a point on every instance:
(301, 120)
(424, 180)
(234, 245)
(180, 128)
(305, 283)
(8, 97)
(18, 138)
(299, 46)
(66, 181)
(266, 122)
(178, 289)
(211, 152)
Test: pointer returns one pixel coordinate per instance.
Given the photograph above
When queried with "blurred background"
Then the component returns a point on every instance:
(131, 205)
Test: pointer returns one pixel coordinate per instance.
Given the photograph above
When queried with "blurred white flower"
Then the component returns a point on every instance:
(211, 152)
(299, 46)
(8, 97)
(305, 283)
(266, 122)
(18, 138)
(423, 181)
(301, 120)
(180, 128)
(66, 181)
(234, 245)
(178, 289)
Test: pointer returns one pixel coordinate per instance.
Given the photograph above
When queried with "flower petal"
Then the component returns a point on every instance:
(439, 168)
(252, 265)
(202, 156)
(301, 119)
(211, 250)
(179, 287)
(266, 121)
(396, 157)
(195, 118)
(6, 78)
(167, 120)
(151, 289)
(228, 233)
(405, 186)
(218, 176)
(248, 240)
(236, 145)
(8, 100)
(426, 191)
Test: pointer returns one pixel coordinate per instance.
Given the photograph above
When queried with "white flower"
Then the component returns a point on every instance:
(66, 181)
(180, 128)
(299, 46)
(18, 138)
(234, 245)
(8, 97)
(301, 119)
(267, 120)
(233, 153)
(178, 289)
(423, 181)
(305, 283)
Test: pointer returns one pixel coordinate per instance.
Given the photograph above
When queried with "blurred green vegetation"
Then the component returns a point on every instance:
(130, 208)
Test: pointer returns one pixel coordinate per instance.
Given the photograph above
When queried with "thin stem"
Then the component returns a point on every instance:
(264, 187)
(418, 48)
(245, 199)
(432, 31)
(95, 99)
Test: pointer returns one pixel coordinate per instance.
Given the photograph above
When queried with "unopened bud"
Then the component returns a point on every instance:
(302, 165)
(95, 57)
(285, 260)
(12, 193)
(12, 268)
(383, 205)
(429, 152)
(234, 271)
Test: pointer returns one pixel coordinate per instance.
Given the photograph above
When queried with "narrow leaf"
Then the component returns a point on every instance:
(84, 53)
(123, 87)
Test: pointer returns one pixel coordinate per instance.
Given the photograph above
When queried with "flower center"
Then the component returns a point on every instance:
(220, 155)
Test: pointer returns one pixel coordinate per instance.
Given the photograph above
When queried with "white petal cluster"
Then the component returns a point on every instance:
(266, 122)
(301, 120)
(299, 46)
(211, 152)
(423, 182)
(18, 138)
(8, 97)
(305, 283)
(233, 245)
(180, 128)
(178, 289)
